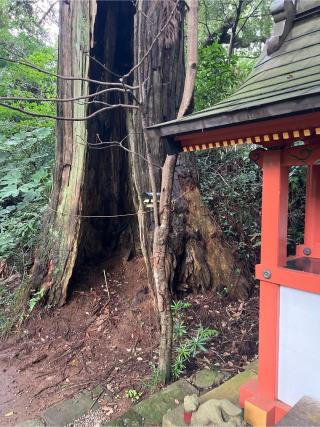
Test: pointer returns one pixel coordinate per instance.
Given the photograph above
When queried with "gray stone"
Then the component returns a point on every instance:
(207, 378)
(35, 422)
(211, 412)
(153, 408)
(174, 417)
(149, 412)
(215, 412)
(304, 413)
(66, 412)
(228, 390)
(130, 418)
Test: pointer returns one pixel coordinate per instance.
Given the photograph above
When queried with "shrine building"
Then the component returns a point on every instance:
(278, 109)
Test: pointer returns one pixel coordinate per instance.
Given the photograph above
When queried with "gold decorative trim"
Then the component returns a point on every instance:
(255, 139)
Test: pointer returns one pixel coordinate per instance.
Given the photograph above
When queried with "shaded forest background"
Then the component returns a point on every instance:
(231, 39)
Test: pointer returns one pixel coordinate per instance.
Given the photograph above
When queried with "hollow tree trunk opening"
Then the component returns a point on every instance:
(90, 181)
(107, 191)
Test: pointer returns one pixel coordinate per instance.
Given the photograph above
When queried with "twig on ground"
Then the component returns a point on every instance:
(46, 388)
(107, 288)
(97, 398)
(70, 350)
(33, 362)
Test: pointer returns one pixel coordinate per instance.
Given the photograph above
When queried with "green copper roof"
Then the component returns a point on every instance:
(285, 82)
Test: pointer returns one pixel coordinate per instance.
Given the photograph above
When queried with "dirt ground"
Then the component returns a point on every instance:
(107, 335)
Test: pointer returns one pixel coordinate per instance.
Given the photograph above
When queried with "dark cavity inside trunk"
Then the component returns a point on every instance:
(107, 189)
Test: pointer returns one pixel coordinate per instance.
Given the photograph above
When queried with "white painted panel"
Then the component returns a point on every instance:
(299, 345)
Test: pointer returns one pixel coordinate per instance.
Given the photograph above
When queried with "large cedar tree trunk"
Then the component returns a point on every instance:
(109, 182)
(198, 258)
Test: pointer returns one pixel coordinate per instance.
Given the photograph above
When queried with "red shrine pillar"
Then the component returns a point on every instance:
(273, 252)
(260, 397)
(289, 319)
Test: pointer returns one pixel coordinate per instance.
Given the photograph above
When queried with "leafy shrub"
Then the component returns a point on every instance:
(231, 186)
(297, 200)
(20, 81)
(218, 76)
(25, 181)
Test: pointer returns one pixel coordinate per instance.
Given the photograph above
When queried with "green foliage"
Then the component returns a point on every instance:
(221, 72)
(216, 18)
(25, 182)
(20, 31)
(216, 76)
(26, 143)
(297, 199)
(133, 394)
(179, 329)
(178, 306)
(23, 38)
(36, 297)
(190, 347)
(230, 184)
(188, 344)
(21, 81)
(5, 301)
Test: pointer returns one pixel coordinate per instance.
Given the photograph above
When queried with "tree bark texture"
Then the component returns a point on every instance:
(58, 248)
(197, 258)
(109, 182)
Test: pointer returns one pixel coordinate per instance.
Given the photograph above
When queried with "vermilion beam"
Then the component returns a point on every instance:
(294, 279)
(274, 210)
(268, 340)
(302, 155)
(267, 127)
(273, 252)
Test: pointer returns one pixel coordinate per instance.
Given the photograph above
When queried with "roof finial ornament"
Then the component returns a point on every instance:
(283, 12)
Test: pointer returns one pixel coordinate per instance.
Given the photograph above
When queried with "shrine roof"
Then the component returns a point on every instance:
(284, 82)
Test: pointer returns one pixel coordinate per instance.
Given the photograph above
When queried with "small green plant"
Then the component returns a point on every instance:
(179, 329)
(178, 367)
(187, 343)
(190, 348)
(178, 306)
(152, 382)
(36, 297)
(133, 394)
(197, 344)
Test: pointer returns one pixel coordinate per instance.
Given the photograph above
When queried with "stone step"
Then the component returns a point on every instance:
(304, 413)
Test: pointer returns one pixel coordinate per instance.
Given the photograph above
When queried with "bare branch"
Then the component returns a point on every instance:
(250, 15)
(153, 42)
(59, 76)
(92, 95)
(47, 12)
(68, 119)
(104, 66)
(119, 144)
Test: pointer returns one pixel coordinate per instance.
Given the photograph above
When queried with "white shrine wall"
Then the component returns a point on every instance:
(299, 345)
